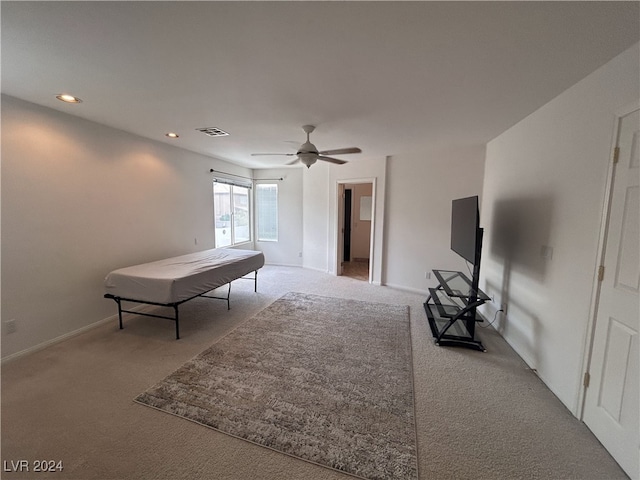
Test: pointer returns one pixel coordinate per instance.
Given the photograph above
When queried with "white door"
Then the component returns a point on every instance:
(612, 405)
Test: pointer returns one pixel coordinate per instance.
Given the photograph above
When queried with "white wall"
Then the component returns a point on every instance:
(315, 212)
(420, 188)
(544, 185)
(288, 249)
(80, 199)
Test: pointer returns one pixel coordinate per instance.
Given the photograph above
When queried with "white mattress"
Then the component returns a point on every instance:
(180, 278)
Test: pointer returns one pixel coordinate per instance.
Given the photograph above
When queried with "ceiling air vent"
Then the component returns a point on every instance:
(213, 131)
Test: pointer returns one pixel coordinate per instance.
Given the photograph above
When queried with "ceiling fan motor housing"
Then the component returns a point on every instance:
(308, 153)
(308, 147)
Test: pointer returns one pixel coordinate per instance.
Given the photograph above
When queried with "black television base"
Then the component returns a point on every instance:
(451, 310)
(456, 336)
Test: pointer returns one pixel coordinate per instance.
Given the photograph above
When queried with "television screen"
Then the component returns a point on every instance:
(465, 223)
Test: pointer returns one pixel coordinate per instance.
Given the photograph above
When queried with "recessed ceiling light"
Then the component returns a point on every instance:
(172, 135)
(65, 97)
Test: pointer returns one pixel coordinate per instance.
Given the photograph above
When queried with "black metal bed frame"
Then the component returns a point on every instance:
(175, 305)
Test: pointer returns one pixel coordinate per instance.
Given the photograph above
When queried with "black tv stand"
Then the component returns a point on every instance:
(451, 310)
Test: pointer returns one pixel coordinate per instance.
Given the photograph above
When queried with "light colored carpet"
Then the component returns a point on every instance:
(324, 379)
(478, 415)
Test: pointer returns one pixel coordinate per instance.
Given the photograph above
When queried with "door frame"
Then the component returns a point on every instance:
(340, 217)
(602, 245)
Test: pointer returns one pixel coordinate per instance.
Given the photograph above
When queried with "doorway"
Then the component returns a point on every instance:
(355, 227)
(347, 225)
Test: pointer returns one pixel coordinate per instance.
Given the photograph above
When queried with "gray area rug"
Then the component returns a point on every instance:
(323, 379)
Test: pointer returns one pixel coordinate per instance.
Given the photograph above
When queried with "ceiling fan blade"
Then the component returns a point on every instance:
(332, 160)
(292, 162)
(261, 154)
(341, 151)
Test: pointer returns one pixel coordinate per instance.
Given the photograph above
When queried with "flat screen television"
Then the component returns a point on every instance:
(465, 223)
(466, 234)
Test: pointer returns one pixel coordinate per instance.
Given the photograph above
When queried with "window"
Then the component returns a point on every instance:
(267, 208)
(231, 214)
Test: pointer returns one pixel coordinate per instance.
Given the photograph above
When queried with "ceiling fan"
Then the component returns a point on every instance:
(308, 153)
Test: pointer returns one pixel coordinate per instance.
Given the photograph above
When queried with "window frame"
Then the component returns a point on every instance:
(258, 214)
(232, 212)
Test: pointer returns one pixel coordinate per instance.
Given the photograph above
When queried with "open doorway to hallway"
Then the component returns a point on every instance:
(355, 229)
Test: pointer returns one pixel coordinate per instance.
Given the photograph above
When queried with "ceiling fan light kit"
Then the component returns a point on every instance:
(308, 154)
(307, 159)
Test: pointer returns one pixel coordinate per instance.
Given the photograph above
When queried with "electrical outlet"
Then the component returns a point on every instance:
(427, 275)
(10, 326)
(503, 307)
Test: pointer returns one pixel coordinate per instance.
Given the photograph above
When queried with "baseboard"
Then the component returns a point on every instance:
(318, 270)
(533, 366)
(66, 336)
(297, 265)
(407, 289)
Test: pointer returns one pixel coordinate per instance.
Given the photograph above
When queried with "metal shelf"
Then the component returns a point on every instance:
(451, 310)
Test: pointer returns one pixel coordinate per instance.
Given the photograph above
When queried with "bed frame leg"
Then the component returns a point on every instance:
(228, 296)
(175, 308)
(119, 312)
(255, 285)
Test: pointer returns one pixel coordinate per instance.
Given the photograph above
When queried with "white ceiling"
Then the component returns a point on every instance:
(388, 77)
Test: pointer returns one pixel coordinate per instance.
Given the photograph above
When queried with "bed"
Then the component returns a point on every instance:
(173, 281)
